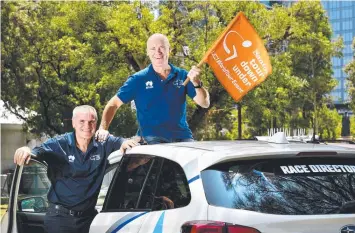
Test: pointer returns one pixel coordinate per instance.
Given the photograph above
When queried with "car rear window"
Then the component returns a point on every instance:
(302, 186)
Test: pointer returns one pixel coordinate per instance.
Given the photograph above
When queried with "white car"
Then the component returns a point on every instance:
(219, 186)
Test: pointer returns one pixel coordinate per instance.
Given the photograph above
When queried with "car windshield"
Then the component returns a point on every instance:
(301, 186)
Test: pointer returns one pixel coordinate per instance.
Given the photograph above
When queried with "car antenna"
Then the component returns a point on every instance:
(279, 138)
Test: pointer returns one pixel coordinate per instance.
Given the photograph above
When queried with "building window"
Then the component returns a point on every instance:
(347, 25)
(346, 3)
(346, 13)
(334, 4)
(336, 26)
(348, 37)
(336, 61)
(337, 73)
(334, 14)
(325, 5)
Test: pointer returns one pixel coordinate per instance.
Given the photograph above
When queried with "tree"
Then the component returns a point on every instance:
(350, 71)
(301, 48)
(52, 62)
(352, 127)
(57, 55)
(312, 51)
(330, 123)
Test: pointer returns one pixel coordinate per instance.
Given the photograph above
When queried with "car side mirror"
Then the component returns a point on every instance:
(33, 204)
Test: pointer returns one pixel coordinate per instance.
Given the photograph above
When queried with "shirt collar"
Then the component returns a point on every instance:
(72, 140)
(173, 72)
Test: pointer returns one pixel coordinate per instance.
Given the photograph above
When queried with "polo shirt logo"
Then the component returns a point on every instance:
(149, 85)
(178, 83)
(71, 158)
(95, 157)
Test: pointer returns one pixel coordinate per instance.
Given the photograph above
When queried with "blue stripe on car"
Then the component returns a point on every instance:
(159, 226)
(124, 221)
(193, 179)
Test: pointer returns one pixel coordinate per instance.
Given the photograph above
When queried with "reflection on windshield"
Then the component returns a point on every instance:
(280, 194)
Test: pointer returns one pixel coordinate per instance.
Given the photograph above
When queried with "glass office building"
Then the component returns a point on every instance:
(270, 3)
(342, 18)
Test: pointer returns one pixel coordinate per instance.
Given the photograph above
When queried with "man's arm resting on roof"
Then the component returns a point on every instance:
(118, 143)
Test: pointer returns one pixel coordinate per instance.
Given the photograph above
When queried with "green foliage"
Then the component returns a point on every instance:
(232, 133)
(329, 123)
(352, 126)
(56, 55)
(350, 71)
(299, 40)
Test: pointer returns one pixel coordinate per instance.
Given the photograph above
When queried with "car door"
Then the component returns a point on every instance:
(172, 205)
(130, 195)
(28, 199)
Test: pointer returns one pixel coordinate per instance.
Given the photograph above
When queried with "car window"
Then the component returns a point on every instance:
(33, 189)
(126, 188)
(145, 182)
(302, 186)
(173, 189)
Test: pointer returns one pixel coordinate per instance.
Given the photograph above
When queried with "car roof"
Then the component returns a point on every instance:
(242, 147)
(208, 153)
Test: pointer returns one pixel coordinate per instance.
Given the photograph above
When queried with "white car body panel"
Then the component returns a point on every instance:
(4, 222)
(271, 223)
(129, 222)
(170, 221)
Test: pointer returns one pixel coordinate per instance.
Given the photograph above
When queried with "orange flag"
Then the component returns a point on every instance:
(238, 58)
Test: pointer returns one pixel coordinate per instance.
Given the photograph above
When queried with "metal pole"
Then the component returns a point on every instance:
(239, 121)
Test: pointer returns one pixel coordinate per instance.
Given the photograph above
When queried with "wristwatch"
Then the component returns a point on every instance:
(199, 85)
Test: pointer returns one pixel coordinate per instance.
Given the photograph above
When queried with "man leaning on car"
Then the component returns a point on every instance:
(81, 161)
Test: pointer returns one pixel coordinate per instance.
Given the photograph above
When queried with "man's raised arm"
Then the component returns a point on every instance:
(109, 112)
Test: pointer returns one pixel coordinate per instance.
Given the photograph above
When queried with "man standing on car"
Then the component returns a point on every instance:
(82, 161)
(159, 96)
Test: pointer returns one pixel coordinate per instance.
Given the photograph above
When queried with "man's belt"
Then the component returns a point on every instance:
(70, 212)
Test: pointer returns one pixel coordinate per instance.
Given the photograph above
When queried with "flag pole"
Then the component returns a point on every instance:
(205, 57)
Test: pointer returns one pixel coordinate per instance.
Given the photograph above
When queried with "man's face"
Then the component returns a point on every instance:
(84, 125)
(158, 51)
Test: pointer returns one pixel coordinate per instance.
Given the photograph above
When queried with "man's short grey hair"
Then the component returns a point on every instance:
(159, 35)
(85, 109)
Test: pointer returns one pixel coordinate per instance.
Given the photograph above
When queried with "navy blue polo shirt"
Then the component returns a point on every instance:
(161, 104)
(83, 173)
